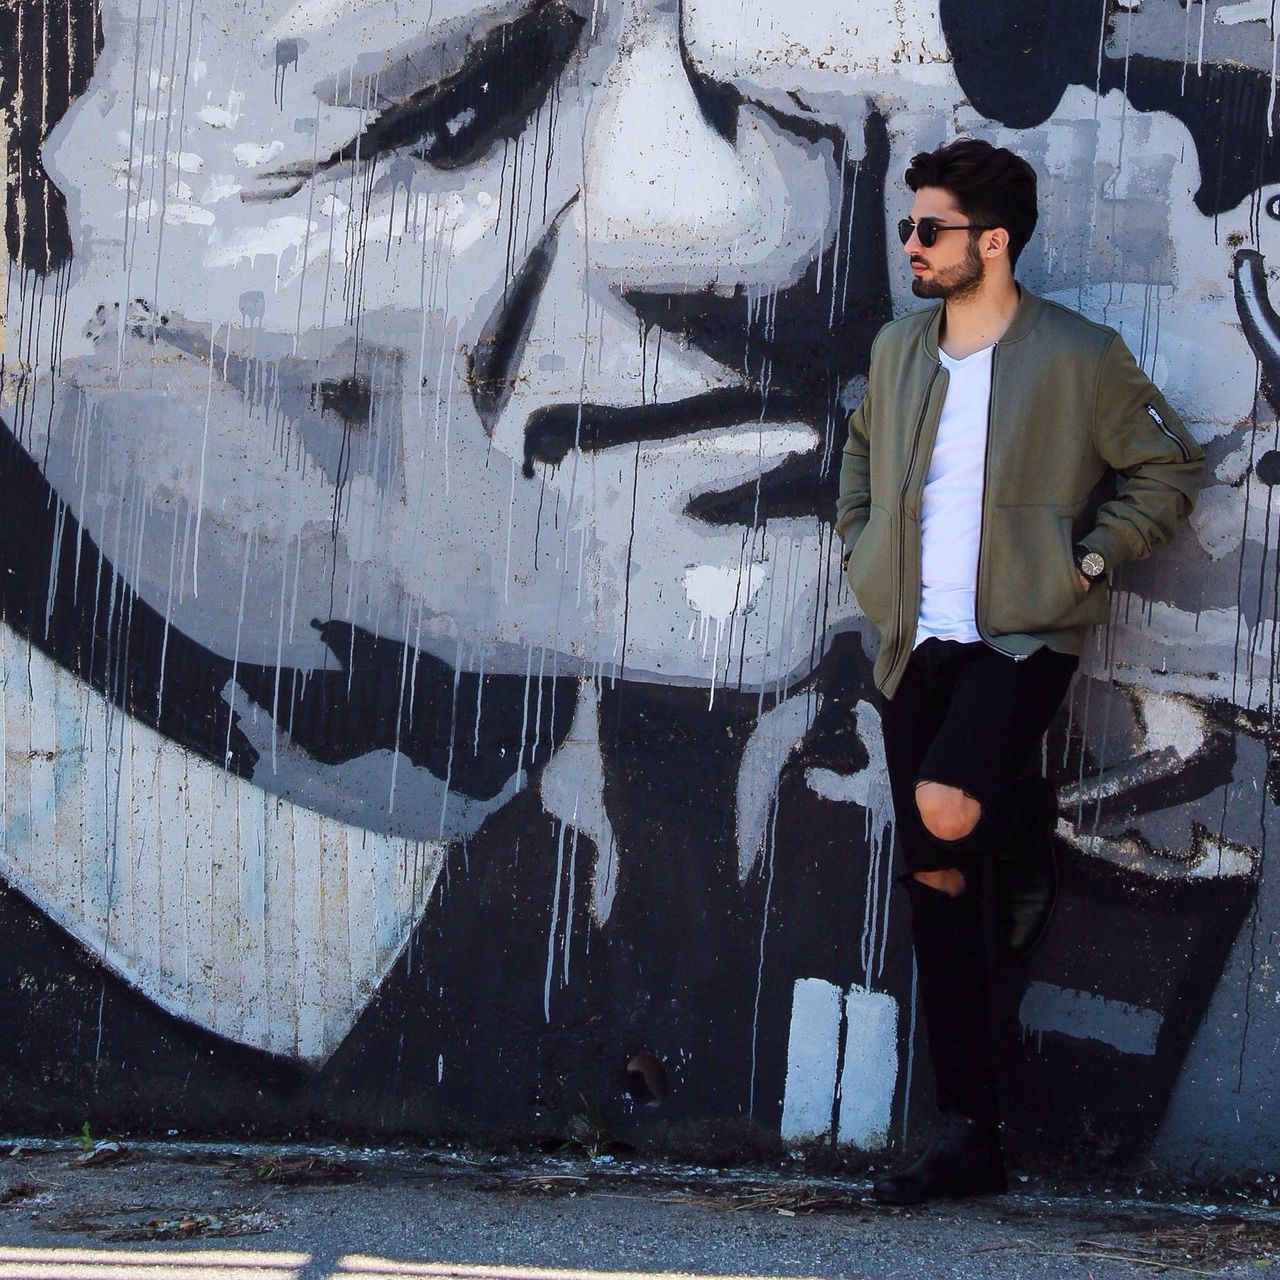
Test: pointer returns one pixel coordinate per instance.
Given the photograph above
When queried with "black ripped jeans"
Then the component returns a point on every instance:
(972, 718)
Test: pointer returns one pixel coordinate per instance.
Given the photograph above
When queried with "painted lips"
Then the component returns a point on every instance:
(553, 431)
(790, 480)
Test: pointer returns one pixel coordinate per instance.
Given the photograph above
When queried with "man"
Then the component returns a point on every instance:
(1008, 455)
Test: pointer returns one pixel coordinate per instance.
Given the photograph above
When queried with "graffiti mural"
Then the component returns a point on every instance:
(431, 702)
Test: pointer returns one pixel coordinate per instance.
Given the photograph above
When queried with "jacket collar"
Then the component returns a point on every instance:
(1029, 308)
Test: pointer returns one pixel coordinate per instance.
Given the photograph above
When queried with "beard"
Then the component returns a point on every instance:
(957, 283)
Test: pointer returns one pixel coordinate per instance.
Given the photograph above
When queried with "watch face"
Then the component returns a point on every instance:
(1093, 565)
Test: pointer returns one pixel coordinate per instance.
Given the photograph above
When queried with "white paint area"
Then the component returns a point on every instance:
(572, 790)
(255, 153)
(733, 453)
(1082, 1015)
(221, 186)
(1209, 858)
(659, 171)
(671, 201)
(1245, 11)
(867, 1078)
(716, 591)
(1216, 520)
(779, 732)
(868, 788)
(273, 239)
(870, 1072)
(832, 36)
(223, 116)
(1221, 858)
(254, 918)
(813, 1052)
(338, 34)
(183, 215)
(1171, 721)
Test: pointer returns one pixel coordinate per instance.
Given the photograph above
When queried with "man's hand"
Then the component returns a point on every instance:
(1084, 582)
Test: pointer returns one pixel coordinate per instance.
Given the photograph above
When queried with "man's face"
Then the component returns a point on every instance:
(951, 268)
(464, 323)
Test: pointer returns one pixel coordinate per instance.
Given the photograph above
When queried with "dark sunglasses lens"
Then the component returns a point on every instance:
(926, 231)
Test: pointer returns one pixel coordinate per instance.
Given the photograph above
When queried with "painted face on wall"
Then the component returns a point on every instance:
(520, 336)
(499, 329)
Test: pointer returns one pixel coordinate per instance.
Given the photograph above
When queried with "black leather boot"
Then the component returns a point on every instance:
(1026, 871)
(964, 1160)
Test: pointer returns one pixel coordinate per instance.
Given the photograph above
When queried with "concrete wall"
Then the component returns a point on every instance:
(430, 699)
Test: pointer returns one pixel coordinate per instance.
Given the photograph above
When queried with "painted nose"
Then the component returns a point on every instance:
(670, 201)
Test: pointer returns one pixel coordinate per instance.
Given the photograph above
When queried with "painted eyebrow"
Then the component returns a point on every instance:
(543, 37)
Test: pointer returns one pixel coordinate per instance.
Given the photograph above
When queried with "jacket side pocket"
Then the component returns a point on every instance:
(870, 569)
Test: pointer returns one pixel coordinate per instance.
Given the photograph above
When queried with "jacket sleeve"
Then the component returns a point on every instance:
(1157, 461)
(853, 506)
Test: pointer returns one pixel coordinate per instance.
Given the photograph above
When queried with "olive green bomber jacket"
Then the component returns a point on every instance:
(1081, 448)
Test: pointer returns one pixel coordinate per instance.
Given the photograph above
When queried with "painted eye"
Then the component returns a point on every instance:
(505, 79)
(1273, 208)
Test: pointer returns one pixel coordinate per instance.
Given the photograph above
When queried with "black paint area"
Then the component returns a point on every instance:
(537, 1009)
(796, 348)
(783, 492)
(1014, 59)
(1151, 946)
(494, 362)
(718, 102)
(1267, 468)
(504, 80)
(1258, 319)
(47, 50)
(58, 591)
(474, 730)
(349, 399)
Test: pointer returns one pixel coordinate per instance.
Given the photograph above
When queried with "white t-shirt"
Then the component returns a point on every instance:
(951, 507)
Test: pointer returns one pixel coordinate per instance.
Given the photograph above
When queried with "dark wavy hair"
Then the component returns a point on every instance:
(992, 186)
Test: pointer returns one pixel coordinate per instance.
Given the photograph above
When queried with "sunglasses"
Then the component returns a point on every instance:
(927, 229)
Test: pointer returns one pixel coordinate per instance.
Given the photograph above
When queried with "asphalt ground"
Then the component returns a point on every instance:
(161, 1211)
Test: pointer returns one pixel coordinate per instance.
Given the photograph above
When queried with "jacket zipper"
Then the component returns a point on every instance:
(982, 517)
(1182, 448)
(902, 497)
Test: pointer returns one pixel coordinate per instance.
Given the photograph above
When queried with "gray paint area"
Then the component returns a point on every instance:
(380, 791)
(433, 418)
(1223, 1112)
(1085, 1016)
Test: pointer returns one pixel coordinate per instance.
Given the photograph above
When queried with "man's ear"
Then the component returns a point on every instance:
(993, 242)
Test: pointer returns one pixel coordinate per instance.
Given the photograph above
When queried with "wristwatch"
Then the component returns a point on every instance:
(1090, 563)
